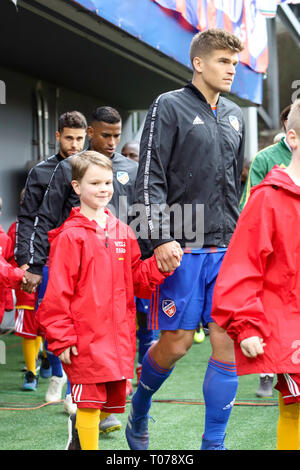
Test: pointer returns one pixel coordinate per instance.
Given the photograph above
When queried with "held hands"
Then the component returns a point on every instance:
(65, 356)
(32, 281)
(24, 267)
(168, 256)
(253, 346)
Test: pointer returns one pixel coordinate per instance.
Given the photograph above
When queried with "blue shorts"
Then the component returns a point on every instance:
(142, 305)
(184, 300)
(42, 287)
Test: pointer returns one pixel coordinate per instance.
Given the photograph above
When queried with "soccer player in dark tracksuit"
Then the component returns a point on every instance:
(191, 158)
(70, 136)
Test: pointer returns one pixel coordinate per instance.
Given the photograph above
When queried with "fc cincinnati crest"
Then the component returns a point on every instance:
(122, 177)
(168, 307)
(234, 122)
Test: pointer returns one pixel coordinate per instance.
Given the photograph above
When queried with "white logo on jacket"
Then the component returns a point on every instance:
(122, 177)
(198, 120)
(234, 122)
(120, 247)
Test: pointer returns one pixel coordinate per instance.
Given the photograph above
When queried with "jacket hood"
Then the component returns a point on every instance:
(278, 178)
(76, 219)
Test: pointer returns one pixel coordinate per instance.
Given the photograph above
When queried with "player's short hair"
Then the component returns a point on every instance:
(106, 114)
(73, 120)
(82, 161)
(293, 121)
(205, 42)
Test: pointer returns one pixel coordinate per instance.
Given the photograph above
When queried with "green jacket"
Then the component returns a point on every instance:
(276, 154)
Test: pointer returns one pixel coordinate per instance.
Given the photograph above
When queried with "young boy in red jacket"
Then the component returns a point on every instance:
(256, 296)
(88, 312)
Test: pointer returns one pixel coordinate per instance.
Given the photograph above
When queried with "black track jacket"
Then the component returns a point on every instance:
(60, 198)
(36, 184)
(190, 158)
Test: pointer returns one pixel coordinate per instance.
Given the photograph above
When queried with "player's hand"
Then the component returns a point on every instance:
(168, 256)
(32, 282)
(65, 356)
(253, 346)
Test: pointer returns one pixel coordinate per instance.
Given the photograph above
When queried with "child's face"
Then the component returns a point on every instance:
(96, 187)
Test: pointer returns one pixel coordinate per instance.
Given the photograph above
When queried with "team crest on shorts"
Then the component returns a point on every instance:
(169, 307)
(234, 122)
(122, 177)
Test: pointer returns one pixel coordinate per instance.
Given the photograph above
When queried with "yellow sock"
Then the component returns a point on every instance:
(87, 425)
(38, 341)
(29, 352)
(104, 415)
(288, 428)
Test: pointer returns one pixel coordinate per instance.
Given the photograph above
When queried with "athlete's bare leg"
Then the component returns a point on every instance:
(171, 346)
(221, 343)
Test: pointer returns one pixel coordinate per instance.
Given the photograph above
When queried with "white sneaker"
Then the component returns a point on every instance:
(54, 391)
(69, 407)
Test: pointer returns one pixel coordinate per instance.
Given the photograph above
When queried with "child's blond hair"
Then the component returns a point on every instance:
(82, 161)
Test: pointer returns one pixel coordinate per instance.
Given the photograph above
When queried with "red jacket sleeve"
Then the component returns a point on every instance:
(237, 305)
(145, 273)
(9, 276)
(54, 314)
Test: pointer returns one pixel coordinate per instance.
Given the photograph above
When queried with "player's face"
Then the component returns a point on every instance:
(96, 187)
(131, 151)
(71, 141)
(104, 137)
(217, 70)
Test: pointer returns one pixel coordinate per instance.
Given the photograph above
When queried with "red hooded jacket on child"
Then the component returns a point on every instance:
(6, 298)
(257, 292)
(23, 299)
(89, 302)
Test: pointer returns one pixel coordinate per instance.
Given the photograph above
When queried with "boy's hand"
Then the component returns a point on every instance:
(65, 356)
(253, 346)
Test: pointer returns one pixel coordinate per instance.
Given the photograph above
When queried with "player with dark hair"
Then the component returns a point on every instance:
(70, 135)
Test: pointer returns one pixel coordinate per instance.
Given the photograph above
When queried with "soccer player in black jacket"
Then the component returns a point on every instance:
(70, 135)
(191, 158)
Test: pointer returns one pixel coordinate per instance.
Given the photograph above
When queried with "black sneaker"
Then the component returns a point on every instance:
(73, 440)
(30, 382)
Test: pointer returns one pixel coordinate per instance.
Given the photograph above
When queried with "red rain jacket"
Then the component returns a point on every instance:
(8, 277)
(23, 299)
(89, 301)
(257, 292)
